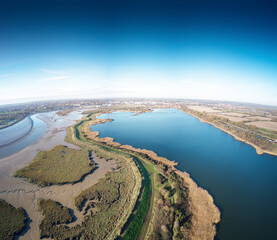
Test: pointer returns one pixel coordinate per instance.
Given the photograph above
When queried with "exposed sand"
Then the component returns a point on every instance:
(265, 124)
(20, 193)
(203, 109)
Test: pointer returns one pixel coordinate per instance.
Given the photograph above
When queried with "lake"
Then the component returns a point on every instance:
(242, 183)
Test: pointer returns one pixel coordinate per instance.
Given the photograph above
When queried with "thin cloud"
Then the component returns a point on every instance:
(51, 71)
(54, 78)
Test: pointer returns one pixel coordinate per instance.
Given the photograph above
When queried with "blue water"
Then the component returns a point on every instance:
(243, 184)
(11, 134)
(16, 135)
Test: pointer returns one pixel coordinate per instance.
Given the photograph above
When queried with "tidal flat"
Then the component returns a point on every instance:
(21, 193)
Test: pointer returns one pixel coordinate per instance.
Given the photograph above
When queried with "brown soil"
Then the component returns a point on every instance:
(265, 124)
(203, 109)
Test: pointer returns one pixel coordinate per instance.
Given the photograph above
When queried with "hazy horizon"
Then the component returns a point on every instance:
(210, 50)
(26, 101)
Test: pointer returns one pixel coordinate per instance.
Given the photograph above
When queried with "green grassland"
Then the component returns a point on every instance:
(59, 165)
(135, 227)
(12, 220)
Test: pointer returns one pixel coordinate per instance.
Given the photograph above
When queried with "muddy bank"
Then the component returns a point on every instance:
(16, 132)
(20, 193)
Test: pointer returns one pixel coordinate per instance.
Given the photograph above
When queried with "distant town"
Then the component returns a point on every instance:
(12, 113)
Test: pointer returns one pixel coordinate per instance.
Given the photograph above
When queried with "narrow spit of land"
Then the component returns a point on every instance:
(138, 220)
(178, 185)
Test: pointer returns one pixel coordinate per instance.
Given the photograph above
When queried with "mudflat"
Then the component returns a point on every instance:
(21, 193)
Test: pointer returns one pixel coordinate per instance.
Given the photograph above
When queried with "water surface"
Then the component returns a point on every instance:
(243, 184)
(16, 131)
(20, 135)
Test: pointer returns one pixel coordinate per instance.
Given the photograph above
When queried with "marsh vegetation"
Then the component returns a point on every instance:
(60, 165)
(12, 220)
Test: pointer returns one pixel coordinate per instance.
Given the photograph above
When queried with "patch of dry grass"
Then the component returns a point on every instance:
(265, 124)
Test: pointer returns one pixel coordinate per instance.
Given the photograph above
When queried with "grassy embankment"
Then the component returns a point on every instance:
(169, 197)
(136, 224)
(60, 165)
(12, 220)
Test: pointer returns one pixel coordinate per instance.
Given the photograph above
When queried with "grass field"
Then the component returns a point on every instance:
(12, 220)
(60, 165)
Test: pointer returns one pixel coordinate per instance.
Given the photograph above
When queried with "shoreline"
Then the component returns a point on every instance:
(21, 137)
(258, 149)
(15, 122)
(205, 214)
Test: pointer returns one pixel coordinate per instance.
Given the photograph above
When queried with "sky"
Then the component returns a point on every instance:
(191, 49)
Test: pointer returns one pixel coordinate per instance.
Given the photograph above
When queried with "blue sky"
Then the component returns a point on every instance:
(219, 50)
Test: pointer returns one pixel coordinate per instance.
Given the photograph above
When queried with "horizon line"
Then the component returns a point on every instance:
(133, 98)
